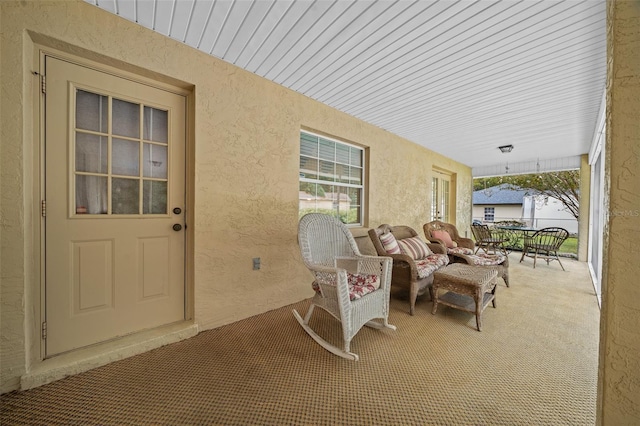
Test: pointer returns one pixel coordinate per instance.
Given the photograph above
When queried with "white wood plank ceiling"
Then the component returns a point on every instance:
(459, 77)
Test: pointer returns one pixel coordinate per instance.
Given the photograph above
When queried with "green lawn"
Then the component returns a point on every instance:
(570, 245)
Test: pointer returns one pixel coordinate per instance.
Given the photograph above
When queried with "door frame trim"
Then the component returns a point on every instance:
(452, 190)
(34, 343)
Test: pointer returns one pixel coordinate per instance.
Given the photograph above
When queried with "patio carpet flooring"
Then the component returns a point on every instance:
(535, 362)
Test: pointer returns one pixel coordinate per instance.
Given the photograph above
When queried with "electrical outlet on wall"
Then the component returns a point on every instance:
(256, 263)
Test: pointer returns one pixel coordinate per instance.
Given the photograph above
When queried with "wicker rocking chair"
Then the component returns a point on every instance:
(353, 288)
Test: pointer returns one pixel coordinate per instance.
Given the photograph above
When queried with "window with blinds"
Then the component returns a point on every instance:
(331, 178)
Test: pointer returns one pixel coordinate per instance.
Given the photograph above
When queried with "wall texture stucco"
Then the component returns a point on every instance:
(245, 145)
(619, 366)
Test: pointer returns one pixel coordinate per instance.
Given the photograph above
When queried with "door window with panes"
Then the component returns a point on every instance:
(120, 156)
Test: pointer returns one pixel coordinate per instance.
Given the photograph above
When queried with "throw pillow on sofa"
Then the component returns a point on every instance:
(414, 247)
(389, 243)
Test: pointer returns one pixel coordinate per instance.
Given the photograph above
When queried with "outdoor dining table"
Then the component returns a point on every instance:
(515, 235)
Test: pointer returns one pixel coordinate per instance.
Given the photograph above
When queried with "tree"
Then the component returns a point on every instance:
(565, 186)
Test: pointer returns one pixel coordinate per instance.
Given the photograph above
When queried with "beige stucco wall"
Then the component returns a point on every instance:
(245, 142)
(619, 366)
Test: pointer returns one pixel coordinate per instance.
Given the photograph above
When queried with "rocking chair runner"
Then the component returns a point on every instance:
(353, 288)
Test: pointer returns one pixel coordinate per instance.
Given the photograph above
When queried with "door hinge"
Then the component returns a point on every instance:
(43, 85)
(44, 330)
(43, 206)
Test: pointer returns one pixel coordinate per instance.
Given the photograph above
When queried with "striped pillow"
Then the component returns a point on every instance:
(414, 247)
(389, 243)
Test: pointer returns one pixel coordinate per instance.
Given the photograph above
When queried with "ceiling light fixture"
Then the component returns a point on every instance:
(505, 148)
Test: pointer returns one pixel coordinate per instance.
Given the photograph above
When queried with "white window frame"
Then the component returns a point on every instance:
(314, 203)
(489, 212)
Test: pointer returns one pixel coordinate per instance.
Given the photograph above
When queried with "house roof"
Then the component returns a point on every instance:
(499, 194)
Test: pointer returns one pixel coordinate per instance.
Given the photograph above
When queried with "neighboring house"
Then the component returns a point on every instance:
(504, 202)
(498, 203)
(543, 212)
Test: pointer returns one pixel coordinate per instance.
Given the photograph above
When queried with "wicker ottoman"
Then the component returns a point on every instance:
(498, 262)
(492, 261)
(469, 288)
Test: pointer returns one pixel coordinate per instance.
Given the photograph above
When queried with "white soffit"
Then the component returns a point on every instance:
(525, 167)
(458, 77)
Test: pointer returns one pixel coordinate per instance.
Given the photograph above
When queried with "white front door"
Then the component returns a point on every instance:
(115, 200)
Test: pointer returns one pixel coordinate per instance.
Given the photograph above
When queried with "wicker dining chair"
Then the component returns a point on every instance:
(545, 244)
(487, 240)
(352, 287)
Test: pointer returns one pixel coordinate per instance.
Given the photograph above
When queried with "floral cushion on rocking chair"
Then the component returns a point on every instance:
(359, 285)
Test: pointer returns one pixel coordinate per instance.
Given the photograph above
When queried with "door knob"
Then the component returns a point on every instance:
(177, 210)
(177, 227)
